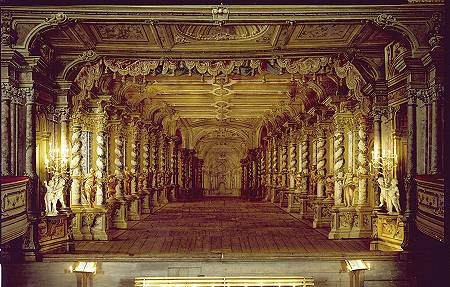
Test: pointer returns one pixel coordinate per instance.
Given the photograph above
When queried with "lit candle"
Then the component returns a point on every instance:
(46, 162)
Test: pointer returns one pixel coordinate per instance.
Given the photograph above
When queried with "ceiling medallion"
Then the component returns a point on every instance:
(220, 33)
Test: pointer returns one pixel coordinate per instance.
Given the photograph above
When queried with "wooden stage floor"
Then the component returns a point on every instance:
(219, 225)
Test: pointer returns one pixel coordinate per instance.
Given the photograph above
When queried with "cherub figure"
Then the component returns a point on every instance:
(383, 191)
(393, 196)
(55, 192)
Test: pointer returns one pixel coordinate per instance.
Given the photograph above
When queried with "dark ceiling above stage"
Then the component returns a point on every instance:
(201, 2)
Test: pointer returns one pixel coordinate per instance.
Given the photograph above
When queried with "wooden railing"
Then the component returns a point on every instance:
(430, 206)
(272, 281)
(13, 207)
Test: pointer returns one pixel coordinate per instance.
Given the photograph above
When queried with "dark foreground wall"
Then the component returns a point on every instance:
(386, 270)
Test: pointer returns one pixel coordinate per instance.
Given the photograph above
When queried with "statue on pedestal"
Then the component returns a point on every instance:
(394, 197)
(350, 184)
(141, 183)
(389, 195)
(88, 191)
(127, 181)
(55, 192)
(329, 186)
(112, 182)
(383, 191)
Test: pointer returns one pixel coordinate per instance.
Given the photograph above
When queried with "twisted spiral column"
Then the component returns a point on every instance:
(274, 163)
(292, 161)
(155, 161)
(145, 161)
(134, 160)
(305, 165)
(284, 162)
(75, 165)
(362, 163)
(100, 164)
(321, 161)
(338, 166)
(119, 164)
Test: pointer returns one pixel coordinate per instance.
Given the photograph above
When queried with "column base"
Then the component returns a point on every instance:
(145, 203)
(388, 232)
(91, 223)
(154, 203)
(134, 208)
(283, 197)
(163, 196)
(350, 222)
(297, 203)
(120, 215)
(30, 248)
(322, 212)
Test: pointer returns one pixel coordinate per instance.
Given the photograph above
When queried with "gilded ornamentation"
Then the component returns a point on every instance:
(221, 33)
(100, 164)
(89, 76)
(57, 19)
(385, 20)
(346, 219)
(391, 228)
(75, 165)
(293, 161)
(338, 166)
(88, 189)
(314, 32)
(12, 201)
(122, 32)
(9, 36)
(134, 159)
(350, 185)
(118, 162)
(362, 161)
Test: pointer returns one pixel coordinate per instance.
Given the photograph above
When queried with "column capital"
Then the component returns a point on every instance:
(30, 95)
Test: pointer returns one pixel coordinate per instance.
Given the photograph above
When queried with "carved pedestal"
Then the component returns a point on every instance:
(298, 204)
(54, 233)
(283, 197)
(388, 233)
(164, 195)
(347, 222)
(273, 193)
(91, 223)
(120, 215)
(154, 203)
(133, 208)
(293, 202)
(145, 203)
(322, 212)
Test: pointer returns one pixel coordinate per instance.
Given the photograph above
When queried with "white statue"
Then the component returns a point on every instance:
(55, 192)
(389, 195)
(350, 185)
(383, 191)
(393, 197)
